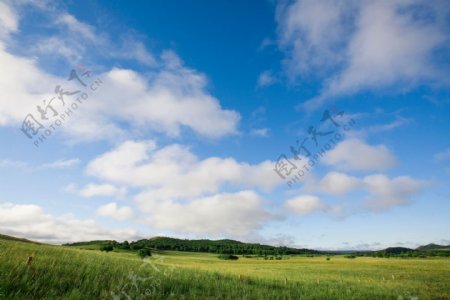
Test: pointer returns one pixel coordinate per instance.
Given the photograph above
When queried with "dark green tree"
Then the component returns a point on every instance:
(106, 248)
(144, 252)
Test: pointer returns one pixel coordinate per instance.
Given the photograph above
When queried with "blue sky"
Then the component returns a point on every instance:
(183, 110)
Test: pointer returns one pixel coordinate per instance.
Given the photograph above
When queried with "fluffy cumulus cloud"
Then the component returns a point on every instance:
(102, 190)
(224, 214)
(337, 183)
(168, 98)
(8, 20)
(363, 44)
(30, 221)
(174, 171)
(306, 204)
(166, 101)
(377, 192)
(311, 32)
(23, 81)
(114, 211)
(180, 192)
(386, 193)
(355, 154)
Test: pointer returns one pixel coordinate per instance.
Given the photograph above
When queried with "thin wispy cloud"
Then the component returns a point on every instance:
(356, 46)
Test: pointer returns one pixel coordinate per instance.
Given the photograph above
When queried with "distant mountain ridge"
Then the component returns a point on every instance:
(397, 250)
(12, 238)
(432, 246)
(223, 246)
(229, 246)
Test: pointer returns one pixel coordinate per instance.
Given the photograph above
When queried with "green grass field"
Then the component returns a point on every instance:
(58, 272)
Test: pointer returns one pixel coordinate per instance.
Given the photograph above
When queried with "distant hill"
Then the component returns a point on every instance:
(397, 250)
(431, 247)
(422, 251)
(11, 238)
(90, 243)
(225, 246)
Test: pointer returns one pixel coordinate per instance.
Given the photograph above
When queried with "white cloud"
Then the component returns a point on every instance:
(354, 154)
(23, 81)
(444, 155)
(346, 246)
(261, 132)
(15, 164)
(8, 20)
(306, 204)
(311, 32)
(182, 193)
(166, 99)
(279, 240)
(102, 190)
(172, 99)
(55, 46)
(72, 39)
(83, 29)
(61, 164)
(226, 214)
(70, 188)
(390, 126)
(175, 172)
(58, 164)
(363, 44)
(115, 212)
(133, 49)
(77, 41)
(380, 191)
(30, 221)
(176, 187)
(389, 47)
(266, 78)
(386, 193)
(336, 183)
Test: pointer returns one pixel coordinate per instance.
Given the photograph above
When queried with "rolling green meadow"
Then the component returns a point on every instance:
(61, 272)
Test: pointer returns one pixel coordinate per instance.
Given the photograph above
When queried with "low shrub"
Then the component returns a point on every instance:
(228, 257)
(107, 248)
(144, 252)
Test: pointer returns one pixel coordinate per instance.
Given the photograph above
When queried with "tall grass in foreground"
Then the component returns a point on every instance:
(67, 273)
